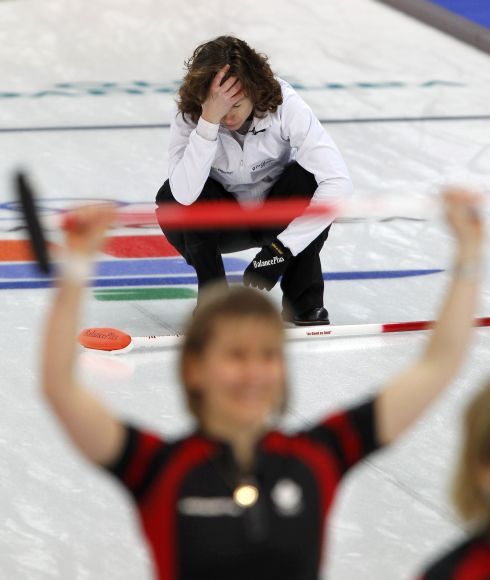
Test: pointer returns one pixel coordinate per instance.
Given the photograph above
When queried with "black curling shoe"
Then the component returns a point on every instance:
(313, 317)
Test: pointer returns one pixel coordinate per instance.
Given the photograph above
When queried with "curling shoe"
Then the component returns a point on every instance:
(313, 317)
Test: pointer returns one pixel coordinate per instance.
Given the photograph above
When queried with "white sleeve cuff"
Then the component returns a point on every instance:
(207, 130)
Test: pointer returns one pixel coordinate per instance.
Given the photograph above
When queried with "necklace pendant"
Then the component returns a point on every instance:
(246, 495)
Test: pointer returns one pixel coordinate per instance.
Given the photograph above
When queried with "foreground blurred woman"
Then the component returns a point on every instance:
(236, 499)
(471, 495)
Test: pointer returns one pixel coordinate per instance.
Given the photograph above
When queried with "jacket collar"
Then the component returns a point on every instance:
(261, 123)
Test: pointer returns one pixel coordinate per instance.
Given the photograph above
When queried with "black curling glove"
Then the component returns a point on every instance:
(268, 266)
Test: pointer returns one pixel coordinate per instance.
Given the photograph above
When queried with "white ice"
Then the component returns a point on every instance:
(62, 519)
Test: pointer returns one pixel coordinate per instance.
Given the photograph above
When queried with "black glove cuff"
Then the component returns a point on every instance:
(280, 250)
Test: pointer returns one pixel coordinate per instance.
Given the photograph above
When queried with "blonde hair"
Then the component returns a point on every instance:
(467, 494)
(220, 303)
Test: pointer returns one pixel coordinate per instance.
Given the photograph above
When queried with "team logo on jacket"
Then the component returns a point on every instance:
(287, 496)
(263, 164)
(209, 507)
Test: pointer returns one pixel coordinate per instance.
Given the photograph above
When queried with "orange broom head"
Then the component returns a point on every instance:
(104, 339)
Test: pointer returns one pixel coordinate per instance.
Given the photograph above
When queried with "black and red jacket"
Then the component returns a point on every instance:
(195, 530)
(468, 561)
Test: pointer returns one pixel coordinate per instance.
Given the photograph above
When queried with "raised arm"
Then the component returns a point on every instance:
(192, 150)
(407, 395)
(92, 428)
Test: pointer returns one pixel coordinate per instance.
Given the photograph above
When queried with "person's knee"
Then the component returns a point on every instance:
(212, 191)
(304, 180)
(295, 181)
(164, 194)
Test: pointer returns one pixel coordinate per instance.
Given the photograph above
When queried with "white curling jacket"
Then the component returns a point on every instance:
(197, 152)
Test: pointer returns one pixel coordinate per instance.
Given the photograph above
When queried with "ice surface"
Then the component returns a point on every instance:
(61, 518)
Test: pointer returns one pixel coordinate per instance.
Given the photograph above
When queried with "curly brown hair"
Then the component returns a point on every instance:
(250, 67)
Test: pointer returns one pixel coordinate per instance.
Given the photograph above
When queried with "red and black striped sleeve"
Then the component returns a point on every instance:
(142, 456)
(349, 435)
(468, 561)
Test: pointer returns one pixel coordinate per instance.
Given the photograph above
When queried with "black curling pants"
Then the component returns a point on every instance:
(302, 283)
